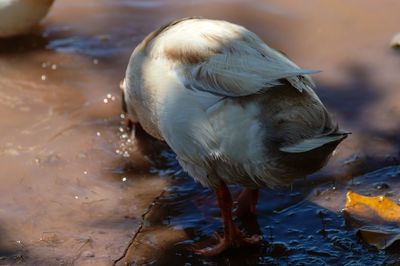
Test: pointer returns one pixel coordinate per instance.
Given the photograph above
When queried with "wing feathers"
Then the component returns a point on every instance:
(241, 72)
(226, 59)
(241, 76)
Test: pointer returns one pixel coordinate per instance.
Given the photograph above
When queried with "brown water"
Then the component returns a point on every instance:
(73, 188)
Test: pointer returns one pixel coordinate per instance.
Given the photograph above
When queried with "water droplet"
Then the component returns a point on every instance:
(113, 98)
(122, 116)
(85, 172)
(43, 77)
(109, 95)
(105, 100)
(124, 179)
(126, 154)
(44, 65)
(76, 197)
(98, 134)
(121, 129)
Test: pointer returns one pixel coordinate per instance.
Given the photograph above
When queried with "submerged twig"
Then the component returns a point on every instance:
(152, 204)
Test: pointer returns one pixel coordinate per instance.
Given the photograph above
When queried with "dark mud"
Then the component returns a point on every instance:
(299, 225)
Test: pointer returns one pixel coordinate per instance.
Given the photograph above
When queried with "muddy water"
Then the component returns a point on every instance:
(74, 187)
(65, 195)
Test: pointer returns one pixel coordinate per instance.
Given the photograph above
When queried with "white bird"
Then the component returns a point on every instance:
(233, 110)
(19, 16)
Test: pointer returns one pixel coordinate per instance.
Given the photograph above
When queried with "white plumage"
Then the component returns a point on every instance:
(19, 16)
(233, 109)
(200, 85)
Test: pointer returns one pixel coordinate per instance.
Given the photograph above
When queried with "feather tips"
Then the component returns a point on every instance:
(314, 143)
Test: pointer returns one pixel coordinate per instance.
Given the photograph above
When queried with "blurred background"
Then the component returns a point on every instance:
(74, 185)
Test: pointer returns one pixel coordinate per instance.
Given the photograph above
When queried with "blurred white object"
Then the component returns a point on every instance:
(395, 43)
(19, 16)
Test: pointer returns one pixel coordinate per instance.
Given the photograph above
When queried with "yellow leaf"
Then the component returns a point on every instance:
(372, 209)
(376, 215)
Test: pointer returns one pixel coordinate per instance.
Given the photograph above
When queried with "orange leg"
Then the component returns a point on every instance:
(232, 235)
(246, 202)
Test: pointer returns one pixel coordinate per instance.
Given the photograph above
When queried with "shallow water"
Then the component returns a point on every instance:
(302, 225)
(73, 189)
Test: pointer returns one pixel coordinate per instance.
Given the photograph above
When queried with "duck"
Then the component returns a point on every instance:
(19, 16)
(234, 111)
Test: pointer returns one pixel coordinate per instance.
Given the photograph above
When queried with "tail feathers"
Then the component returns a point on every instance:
(315, 142)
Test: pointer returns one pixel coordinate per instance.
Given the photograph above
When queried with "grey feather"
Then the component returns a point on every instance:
(314, 143)
(235, 77)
